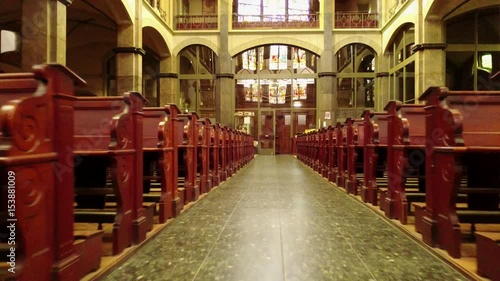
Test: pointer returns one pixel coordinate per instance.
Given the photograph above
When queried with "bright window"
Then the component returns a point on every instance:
(9, 41)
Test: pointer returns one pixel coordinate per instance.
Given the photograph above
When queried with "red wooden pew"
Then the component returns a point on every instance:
(341, 155)
(332, 156)
(375, 151)
(170, 136)
(325, 152)
(108, 135)
(204, 153)
(158, 145)
(215, 152)
(188, 154)
(406, 138)
(223, 153)
(36, 120)
(354, 144)
(463, 138)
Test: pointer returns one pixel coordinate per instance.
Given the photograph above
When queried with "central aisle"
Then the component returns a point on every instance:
(278, 220)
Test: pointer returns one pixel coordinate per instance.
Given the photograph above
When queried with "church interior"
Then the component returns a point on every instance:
(249, 140)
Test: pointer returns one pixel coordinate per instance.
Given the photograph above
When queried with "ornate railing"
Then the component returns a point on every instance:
(155, 4)
(275, 21)
(188, 22)
(356, 20)
(396, 7)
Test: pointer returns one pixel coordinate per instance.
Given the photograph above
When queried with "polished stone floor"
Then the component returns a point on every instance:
(278, 220)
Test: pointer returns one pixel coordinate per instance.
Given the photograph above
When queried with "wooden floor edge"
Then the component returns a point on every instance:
(434, 251)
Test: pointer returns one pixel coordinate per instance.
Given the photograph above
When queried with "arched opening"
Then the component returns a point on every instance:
(10, 36)
(356, 76)
(156, 50)
(275, 89)
(472, 54)
(91, 36)
(402, 65)
(197, 69)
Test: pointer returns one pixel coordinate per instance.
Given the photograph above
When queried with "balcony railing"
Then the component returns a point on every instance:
(155, 5)
(196, 22)
(275, 21)
(356, 20)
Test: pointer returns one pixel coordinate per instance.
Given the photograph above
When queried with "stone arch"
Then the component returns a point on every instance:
(394, 34)
(195, 41)
(372, 44)
(92, 34)
(154, 40)
(121, 11)
(276, 40)
(443, 9)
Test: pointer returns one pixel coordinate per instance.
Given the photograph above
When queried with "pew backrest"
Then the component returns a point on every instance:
(464, 118)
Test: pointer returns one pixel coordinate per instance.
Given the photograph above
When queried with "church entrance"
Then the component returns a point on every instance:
(273, 129)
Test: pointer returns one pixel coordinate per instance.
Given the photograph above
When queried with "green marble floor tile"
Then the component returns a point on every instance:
(277, 219)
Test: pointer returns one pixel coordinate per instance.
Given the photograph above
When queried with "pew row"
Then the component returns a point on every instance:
(108, 136)
(462, 142)
(406, 160)
(36, 120)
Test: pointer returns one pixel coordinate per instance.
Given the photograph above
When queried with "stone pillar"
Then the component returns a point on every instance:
(225, 99)
(326, 97)
(169, 82)
(168, 86)
(430, 58)
(43, 33)
(129, 54)
(225, 96)
(128, 73)
(327, 91)
(382, 87)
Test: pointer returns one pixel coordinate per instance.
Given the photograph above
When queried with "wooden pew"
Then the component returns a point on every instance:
(321, 168)
(375, 154)
(234, 146)
(215, 153)
(341, 154)
(463, 138)
(204, 153)
(302, 147)
(156, 120)
(332, 156)
(406, 158)
(170, 136)
(223, 153)
(108, 134)
(239, 148)
(325, 152)
(188, 150)
(315, 151)
(305, 155)
(230, 152)
(311, 148)
(354, 144)
(36, 122)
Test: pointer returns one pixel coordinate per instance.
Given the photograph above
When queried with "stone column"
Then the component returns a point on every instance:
(382, 93)
(43, 33)
(327, 91)
(129, 54)
(169, 82)
(128, 73)
(225, 96)
(430, 57)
